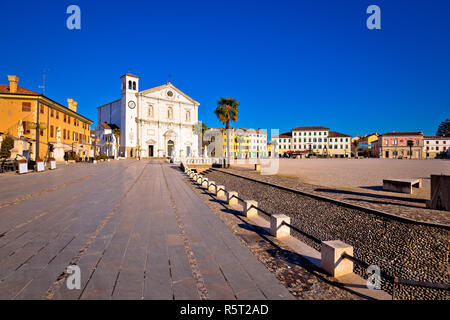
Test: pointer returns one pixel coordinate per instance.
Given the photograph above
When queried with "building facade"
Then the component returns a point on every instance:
(339, 145)
(394, 145)
(158, 122)
(435, 146)
(30, 117)
(316, 140)
(244, 143)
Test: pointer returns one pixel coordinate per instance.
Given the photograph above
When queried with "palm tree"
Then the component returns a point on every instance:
(226, 111)
(410, 144)
(116, 133)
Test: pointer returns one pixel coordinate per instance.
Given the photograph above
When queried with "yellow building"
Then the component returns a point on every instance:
(245, 143)
(28, 117)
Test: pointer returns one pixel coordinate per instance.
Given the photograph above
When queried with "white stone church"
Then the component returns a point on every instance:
(157, 122)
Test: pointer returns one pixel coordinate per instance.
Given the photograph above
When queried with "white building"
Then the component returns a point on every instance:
(435, 146)
(108, 144)
(312, 140)
(157, 122)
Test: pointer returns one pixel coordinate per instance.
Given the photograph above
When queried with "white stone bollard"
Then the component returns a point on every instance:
(257, 167)
(205, 183)
(250, 208)
(211, 186)
(278, 229)
(220, 191)
(331, 258)
(231, 197)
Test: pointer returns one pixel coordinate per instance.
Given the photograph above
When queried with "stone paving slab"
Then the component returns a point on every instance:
(134, 228)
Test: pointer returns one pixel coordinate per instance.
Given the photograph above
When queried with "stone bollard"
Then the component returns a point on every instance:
(199, 179)
(331, 258)
(250, 208)
(257, 167)
(220, 191)
(231, 197)
(211, 186)
(277, 229)
(194, 177)
(205, 183)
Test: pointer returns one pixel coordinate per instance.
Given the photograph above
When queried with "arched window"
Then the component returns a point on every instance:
(134, 85)
(129, 85)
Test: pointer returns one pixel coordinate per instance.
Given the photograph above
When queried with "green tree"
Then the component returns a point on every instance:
(410, 144)
(443, 128)
(226, 111)
(7, 146)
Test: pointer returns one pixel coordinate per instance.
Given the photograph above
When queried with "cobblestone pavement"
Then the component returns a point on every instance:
(404, 249)
(398, 204)
(303, 280)
(135, 230)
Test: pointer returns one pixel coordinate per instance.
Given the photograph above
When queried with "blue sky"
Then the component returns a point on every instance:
(289, 63)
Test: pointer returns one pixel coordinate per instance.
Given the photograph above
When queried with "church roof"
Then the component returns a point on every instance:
(131, 75)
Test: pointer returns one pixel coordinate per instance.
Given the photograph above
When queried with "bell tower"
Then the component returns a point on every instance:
(128, 130)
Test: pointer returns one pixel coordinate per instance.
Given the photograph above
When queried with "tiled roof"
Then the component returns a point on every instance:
(311, 129)
(109, 126)
(130, 74)
(401, 134)
(4, 88)
(334, 134)
(284, 135)
(436, 138)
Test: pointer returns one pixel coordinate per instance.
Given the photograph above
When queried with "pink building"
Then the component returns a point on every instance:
(395, 145)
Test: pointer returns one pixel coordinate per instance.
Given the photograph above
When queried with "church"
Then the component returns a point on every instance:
(157, 122)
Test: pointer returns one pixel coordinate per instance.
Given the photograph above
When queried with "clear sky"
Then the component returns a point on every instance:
(289, 63)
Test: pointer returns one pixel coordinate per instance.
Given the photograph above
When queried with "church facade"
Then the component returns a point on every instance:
(157, 122)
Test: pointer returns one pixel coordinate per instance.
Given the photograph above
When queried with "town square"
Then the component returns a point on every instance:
(191, 161)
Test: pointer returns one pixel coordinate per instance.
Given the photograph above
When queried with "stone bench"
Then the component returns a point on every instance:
(401, 185)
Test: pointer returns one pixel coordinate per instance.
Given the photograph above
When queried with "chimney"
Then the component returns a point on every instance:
(72, 105)
(13, 80)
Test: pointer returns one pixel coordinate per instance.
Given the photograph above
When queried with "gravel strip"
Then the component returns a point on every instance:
(403, 249)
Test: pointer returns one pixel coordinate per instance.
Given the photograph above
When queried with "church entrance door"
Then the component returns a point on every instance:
(170, 146)
(150, 151)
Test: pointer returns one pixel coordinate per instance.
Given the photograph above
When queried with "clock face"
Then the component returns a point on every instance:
(131, 104)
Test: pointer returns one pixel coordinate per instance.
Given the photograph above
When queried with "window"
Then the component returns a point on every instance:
(64, 134)
(41, 109)
(68, 134)
(57, 115)
(68, 119)
(52, 113)
(26, 127)
(41, 132)
(65, 118)
(437, 148)
(134, 85)
(129, 85)
(51, 131)
(150, 111)
(26, 106)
